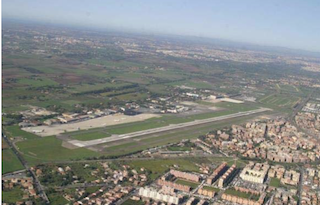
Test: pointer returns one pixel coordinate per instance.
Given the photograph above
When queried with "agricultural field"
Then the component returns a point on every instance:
(280, 101)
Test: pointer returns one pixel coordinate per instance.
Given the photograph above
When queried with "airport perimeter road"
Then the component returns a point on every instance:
(164, 129)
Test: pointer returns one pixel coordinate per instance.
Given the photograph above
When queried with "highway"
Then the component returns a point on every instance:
(164, 129)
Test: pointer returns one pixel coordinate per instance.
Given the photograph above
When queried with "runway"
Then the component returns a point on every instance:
(163, 129)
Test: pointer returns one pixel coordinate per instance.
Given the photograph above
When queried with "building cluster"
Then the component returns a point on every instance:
(217, 173)
(310, 193)
(106, 196)
(104, 174)
(30, 117)
(173, 185)
(185, 175)
(227, 176)
(285, 197)
(309, 122)
(312, 108)
(206, 192)
(243, 201)
(150, 193)
(194, 201)
(25, 184)
(276, 140)
(286, 177)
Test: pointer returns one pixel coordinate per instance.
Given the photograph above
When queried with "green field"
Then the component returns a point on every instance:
(90, 136)
(242, 194)
(37, 150)
(193, 185)
(49, 149)
(209, 188)
(10, 161)
(57, 198)
(160, 166)
(230, 108)
(275, 182)
(15, 131)
(281, 102)
(130, 146)
(12, 196)
(176, 148)
(133, 202)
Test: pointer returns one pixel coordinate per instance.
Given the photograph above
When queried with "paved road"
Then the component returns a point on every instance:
(164, 129)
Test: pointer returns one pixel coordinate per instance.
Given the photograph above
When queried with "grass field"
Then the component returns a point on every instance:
(230, 108)
(193, 185)
(57, 198)
(275, 182)
(280, 101)
(12, 196)
(160, 166)
(242, 194)
(38, 150)
(90, 136)
(10, 161)
(130, 146)
(176, 148)
(15, 131)
(49, 149)
(133, 202)
(209, 188)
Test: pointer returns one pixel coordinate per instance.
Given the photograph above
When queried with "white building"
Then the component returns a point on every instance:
(155, 195)
(255, 172)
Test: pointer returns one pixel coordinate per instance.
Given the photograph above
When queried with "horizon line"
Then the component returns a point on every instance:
(149, 32)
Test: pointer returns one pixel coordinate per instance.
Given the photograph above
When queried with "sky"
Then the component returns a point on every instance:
(285, 23)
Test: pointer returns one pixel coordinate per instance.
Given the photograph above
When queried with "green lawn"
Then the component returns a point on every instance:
(12, 196)
(193, 185)
(15, 131)
(49, 149)
(176, 148)
(133, 202)
(39, 82)
(90, 136)
(275, 182)
(160, 166)
(10, 161)
(242, 194)
(57, 198)
(209, 188)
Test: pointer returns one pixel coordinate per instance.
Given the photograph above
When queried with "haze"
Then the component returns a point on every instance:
(292, 24)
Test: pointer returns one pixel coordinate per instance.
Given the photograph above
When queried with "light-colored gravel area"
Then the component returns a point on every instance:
(88, 124)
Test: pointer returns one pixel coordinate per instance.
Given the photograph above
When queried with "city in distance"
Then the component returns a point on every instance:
(102, 115)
